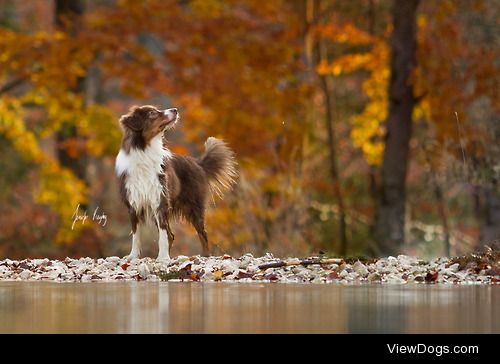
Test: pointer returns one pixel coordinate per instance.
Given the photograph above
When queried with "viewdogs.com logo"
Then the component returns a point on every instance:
(82, 216)
(437, 350)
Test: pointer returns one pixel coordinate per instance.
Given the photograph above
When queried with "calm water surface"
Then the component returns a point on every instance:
(142, 307)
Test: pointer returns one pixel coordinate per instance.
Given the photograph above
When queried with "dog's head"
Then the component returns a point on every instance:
(149, 120)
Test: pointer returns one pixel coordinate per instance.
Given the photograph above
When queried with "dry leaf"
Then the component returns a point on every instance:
(217, 275)
(431, 276)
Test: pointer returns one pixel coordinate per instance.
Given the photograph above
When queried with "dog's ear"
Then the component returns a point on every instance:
(131, 121)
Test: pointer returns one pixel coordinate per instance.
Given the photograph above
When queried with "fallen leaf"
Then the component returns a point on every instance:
(431, 276)
(332, 275)
(218, 275)
(194, 276)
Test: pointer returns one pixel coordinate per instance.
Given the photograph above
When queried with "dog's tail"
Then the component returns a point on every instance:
(219, 163)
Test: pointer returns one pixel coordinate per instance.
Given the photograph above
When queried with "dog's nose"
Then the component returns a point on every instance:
(174, 110)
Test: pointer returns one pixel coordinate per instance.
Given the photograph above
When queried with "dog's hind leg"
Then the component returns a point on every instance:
(163, 246)
(198, 222)
(170, 235)
(165, 235)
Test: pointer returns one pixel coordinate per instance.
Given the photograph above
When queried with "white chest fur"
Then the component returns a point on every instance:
(143, 167)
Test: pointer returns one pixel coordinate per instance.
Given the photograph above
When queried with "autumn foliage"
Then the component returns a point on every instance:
(244, 71)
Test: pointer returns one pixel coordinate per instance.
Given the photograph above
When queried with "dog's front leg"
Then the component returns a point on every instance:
(135, 252)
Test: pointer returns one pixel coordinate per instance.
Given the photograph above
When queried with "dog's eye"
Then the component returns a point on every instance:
(152, 114)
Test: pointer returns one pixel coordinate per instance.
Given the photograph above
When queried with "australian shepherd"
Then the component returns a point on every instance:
(158, 186)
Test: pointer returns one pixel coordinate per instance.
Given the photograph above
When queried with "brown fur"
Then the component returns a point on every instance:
(187, 181)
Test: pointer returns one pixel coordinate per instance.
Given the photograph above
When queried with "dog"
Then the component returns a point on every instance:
(158, 186)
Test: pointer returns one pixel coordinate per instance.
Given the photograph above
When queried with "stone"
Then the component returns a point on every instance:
(143, 270)
(25, 274)
(374, 277)
(360, 269)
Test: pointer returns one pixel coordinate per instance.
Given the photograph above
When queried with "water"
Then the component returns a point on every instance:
(142, 307)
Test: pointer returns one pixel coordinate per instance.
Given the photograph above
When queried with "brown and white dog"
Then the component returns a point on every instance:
(157, 185)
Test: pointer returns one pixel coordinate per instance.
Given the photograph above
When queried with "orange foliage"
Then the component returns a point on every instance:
(212, 58)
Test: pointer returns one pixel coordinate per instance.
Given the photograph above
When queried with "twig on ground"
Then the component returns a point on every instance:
(304, 262)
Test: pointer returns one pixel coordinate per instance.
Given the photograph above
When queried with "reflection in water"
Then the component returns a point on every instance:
(141, 307)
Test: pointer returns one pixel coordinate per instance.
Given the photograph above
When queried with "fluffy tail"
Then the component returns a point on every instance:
(218, 162)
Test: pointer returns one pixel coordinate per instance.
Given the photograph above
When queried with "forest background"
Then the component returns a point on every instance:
(363, 127)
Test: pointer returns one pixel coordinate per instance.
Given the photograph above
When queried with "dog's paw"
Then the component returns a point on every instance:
(130, 257)
(163, 259)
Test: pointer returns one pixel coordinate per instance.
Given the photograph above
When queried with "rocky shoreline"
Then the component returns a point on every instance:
(391, 270)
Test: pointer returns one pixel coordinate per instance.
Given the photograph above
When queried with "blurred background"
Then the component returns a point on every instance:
(362, 127)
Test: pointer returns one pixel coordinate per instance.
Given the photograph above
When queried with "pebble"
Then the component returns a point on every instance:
(144, 270)
(360, 269)
(374, 277)
(25, 274)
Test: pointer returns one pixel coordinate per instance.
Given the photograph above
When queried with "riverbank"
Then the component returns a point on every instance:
(472, 269)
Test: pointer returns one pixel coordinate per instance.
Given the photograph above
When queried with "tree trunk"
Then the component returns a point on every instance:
(390, 218)
(68, 14)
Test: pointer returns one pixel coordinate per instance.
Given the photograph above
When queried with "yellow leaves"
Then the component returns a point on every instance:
(52, 74)
(61, 107)
(60, 189)
(345, 64)
(367, 127)
(52, 63)
(218, 275)
(367, 135)
(422, 110)
(367, 130)
(12, 126)
(101, 128)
